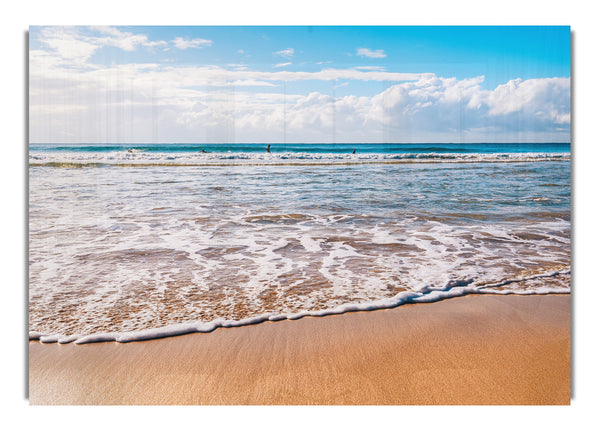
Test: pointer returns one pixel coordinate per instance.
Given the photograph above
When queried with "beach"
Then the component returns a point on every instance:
(291, 216)
(473, 350)
(399, 274)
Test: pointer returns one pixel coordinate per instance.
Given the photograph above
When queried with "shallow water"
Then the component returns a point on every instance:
(138, 239)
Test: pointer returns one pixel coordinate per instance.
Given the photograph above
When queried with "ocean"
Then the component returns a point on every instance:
(132, 242)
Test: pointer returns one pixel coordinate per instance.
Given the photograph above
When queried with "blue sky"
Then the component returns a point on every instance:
(299, 84)
(461, 52)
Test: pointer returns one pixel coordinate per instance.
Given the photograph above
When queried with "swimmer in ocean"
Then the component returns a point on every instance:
(269, 148)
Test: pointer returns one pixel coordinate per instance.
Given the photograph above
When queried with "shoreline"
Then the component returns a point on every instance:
(398, 300)
(475, 349)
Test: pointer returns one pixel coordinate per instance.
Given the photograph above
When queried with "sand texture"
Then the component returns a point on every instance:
(480, 349)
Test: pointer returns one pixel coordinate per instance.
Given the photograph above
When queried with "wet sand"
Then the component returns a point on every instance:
(479, 349)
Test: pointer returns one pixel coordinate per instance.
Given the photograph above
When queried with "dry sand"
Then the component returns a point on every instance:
(480, 349)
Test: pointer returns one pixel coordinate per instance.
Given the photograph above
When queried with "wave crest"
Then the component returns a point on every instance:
(141, 159)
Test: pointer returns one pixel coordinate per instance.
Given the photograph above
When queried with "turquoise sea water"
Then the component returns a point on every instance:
(136, 241)
(315, 148)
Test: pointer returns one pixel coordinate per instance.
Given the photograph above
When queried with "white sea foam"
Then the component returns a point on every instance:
(452, 290)
(129, 254)
(285, 158)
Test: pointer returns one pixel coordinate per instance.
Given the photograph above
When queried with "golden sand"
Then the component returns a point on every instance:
(480, 349)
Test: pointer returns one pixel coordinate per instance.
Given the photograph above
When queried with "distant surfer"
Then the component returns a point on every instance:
(354, 151)
(269, 148)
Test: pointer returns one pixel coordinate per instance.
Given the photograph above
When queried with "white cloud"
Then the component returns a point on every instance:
(518, 96)
(282, 64)
(125, 40)
(237, 66)
(182, 43)
(251, 83)
(288, 52)
(365, 52)
(75, 45)
(380, 68)
(428, 109)
(156, 102)
(68, 45)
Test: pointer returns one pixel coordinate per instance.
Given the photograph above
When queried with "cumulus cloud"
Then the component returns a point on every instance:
(428, 109)
(366, 52)
(528, 96)
(520, 109)
(182, 43)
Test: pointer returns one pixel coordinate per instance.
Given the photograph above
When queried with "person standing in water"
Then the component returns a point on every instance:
(269, 148)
